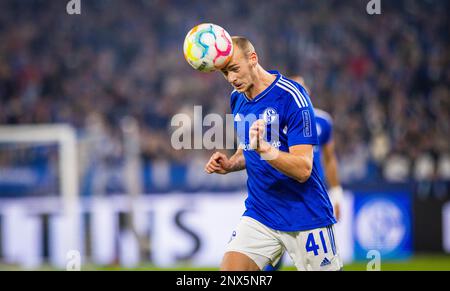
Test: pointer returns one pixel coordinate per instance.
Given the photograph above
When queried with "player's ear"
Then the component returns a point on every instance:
(253, 59)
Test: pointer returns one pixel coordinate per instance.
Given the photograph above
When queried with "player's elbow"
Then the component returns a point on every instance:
(304, 173)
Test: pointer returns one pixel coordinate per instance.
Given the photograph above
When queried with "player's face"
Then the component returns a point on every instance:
(238, 71)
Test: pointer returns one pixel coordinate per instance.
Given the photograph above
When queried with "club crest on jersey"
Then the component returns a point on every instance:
(270, 115)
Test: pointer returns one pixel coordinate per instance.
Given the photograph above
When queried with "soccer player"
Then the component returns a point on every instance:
(325, 159)
(287, 208)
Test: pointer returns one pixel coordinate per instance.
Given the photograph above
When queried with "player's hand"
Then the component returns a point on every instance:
(218, 163)
(336, 196)
(257, 133)
(337, 211)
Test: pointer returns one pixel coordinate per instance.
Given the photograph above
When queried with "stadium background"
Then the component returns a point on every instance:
(116, 74)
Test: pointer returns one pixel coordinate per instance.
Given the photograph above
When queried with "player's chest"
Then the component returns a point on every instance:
(246, 113)
(270, 112)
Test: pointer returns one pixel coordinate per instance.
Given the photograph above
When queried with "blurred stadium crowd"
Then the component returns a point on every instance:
(383, 78)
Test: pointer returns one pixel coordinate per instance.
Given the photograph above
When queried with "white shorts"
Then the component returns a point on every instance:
(312, 250)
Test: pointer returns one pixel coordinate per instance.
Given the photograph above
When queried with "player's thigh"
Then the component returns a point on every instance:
(236, 261)
(256, 241)
(314, 249)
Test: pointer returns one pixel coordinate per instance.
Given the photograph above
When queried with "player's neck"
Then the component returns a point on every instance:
(262, 80)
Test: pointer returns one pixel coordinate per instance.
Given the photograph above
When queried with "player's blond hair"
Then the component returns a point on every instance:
(243, 44)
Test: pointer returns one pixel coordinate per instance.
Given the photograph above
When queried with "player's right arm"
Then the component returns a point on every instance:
(220, 164)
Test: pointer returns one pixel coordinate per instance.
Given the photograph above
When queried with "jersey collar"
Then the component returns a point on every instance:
(267, 90)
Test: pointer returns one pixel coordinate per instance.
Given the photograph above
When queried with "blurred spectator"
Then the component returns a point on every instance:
(424, 168)
(444, 167)
(397, 168)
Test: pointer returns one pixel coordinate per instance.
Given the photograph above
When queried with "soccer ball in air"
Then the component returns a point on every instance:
(207, 47)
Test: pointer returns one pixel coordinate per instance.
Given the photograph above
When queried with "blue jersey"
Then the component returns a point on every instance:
(324, 125)
(274, 199)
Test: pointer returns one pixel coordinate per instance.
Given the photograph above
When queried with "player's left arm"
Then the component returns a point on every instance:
(297, 163)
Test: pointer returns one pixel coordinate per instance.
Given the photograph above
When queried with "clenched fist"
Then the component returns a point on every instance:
(218, 163)
(257, 133)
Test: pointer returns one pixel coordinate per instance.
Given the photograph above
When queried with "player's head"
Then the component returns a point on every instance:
(240, 71)
(299, 79)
